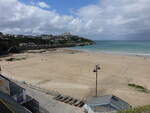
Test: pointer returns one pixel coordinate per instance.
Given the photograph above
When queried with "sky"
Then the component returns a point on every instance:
(94, 19)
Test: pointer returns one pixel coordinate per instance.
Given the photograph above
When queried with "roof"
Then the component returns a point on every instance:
(103, 100)
(110, 102)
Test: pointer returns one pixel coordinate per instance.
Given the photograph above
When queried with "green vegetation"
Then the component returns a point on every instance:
(143, 109)
(16, 43)
(15, 59)
(139, 88)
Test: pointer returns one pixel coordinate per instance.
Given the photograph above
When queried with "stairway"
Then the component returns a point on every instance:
(70, 100)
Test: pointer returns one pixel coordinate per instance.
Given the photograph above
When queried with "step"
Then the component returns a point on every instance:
(78, 103)
(69, 99)
(73, 102)
(57, 97)
(81, 105)
(63, 99)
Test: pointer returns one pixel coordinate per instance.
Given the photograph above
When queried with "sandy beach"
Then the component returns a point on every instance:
(70, 72)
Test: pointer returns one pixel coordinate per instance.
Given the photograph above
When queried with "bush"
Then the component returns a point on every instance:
(143, 109)
(139, 88)
(14, 59)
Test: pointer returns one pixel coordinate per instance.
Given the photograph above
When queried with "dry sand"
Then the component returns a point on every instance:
(71, 73)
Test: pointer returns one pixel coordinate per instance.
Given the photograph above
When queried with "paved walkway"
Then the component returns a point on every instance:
(51, 105)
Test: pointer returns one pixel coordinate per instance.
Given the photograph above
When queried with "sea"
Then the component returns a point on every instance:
(119, 47)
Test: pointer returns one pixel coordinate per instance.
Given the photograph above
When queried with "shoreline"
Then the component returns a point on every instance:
(112, 52)
(73, 50)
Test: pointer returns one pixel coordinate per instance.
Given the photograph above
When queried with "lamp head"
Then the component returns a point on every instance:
(98, 68)
(94, 70)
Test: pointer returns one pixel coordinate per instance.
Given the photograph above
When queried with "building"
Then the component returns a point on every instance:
(13, 98)
(1, 34)
(8, 105)
(46, 36)
(66, 34)
(12, 89)
(105, 104)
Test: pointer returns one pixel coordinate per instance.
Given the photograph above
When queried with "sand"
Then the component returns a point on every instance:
(71, 73)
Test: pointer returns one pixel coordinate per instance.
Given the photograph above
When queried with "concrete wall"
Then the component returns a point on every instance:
(4, 86)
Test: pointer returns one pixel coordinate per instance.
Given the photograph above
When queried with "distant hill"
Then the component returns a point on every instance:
(16, 43)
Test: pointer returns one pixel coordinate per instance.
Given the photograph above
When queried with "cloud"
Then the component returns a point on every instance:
(43, 5)
(108, 19)
(28, 19)
(117, 17)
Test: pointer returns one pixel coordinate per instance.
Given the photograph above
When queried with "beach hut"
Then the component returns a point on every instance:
(105, 104)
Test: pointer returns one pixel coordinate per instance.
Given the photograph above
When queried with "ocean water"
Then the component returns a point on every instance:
(125, 47)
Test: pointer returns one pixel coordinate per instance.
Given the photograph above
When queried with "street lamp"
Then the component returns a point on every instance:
(0, 69)
(97, 67)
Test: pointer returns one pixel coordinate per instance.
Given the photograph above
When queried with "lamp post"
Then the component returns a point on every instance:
(97, 67)
(0, 69)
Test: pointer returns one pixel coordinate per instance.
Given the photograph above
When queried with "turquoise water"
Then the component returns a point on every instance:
(131, 47)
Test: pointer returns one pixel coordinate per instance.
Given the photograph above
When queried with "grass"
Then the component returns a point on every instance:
(143, 109)
(15, 59)
(139, 88)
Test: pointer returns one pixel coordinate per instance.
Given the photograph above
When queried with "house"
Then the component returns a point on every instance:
(103, 104)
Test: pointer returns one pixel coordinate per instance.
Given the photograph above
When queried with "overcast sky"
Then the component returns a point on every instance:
(95, 19)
